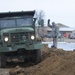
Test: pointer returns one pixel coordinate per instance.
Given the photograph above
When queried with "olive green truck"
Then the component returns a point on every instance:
(18, 37)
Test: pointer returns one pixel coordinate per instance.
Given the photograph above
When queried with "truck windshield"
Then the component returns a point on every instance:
(17, 22)
(24, 22)
(7, 23)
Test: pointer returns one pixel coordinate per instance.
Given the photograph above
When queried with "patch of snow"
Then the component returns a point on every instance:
(62, 45)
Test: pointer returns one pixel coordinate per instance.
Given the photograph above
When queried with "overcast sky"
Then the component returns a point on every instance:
(60, 11)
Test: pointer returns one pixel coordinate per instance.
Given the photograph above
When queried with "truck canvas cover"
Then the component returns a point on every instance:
(13, 14)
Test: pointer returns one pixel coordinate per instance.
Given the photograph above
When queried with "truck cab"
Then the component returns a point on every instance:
(18, 37)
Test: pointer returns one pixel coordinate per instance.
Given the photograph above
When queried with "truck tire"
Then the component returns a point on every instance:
(2, 60)
(37, 56)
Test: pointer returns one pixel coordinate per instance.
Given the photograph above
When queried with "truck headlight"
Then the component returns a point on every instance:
(32, 37)
(6, 39)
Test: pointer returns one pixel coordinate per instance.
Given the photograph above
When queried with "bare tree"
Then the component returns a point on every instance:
(40, 22)
(40, 17)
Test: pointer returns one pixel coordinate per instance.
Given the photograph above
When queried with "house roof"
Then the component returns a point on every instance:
(62, 25)
(61, 29)
(66, 29)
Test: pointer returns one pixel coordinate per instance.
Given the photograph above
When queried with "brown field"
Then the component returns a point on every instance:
(54, 62)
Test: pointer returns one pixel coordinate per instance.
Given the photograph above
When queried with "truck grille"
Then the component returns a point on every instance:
(18, 37)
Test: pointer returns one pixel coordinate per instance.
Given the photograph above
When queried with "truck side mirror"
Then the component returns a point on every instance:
(34, 20)
(41, 22)
(48, 22)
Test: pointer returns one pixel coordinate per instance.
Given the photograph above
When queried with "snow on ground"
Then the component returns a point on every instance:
(62, 45)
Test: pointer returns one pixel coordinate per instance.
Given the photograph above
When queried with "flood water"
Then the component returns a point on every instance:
(62, 45)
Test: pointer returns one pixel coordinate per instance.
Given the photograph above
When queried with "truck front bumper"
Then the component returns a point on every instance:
(21, 46)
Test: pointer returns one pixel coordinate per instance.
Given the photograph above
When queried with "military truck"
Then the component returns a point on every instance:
(18, 37)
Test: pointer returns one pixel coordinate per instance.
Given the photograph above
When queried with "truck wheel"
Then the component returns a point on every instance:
(2, 60)
(38, 56)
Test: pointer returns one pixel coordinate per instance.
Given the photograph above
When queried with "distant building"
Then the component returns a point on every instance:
(64, 30)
